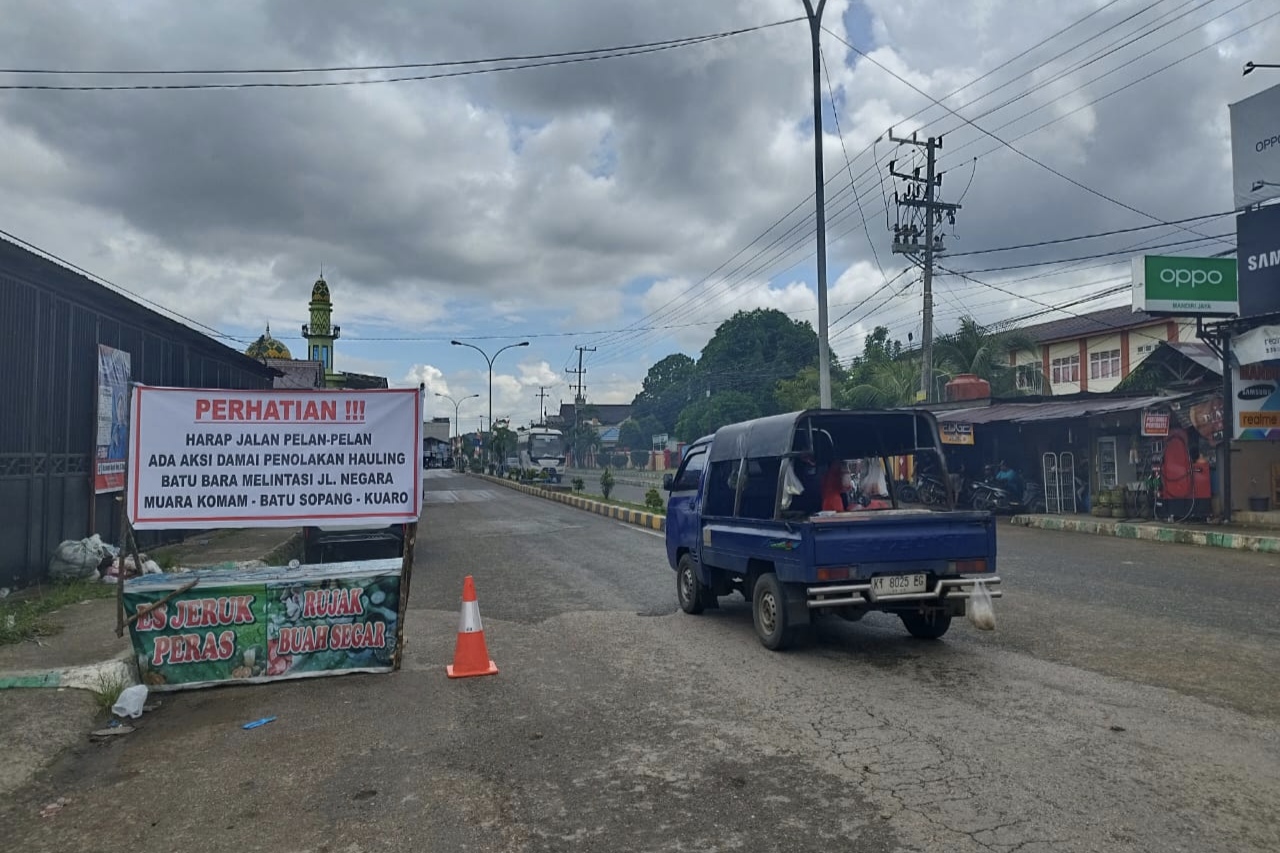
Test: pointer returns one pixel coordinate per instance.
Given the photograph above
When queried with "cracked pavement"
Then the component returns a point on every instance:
(1127, 701)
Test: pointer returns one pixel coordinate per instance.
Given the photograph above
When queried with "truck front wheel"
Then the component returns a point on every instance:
(691, 594)
(769, 612)
(927, 625)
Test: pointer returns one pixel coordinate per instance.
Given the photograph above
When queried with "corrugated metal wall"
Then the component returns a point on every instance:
(49, 363)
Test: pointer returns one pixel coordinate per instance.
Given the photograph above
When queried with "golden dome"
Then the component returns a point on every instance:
(320, 293)
(268, 347)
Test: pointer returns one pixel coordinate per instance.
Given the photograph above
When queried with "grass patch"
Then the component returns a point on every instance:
(110, 686)
(23, 617)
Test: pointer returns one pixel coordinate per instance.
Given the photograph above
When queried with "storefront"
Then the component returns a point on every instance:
(1077, 449)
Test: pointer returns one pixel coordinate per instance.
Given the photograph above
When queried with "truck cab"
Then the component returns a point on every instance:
(797, 513)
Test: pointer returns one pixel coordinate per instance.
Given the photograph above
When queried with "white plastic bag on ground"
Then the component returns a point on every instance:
(130, 702)
(76, 559)
(980, 611)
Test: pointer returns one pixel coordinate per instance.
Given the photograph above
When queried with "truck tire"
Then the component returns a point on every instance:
(691, 594)
(926, 626)
(769, 613)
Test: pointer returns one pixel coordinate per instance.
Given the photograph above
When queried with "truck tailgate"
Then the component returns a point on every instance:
(873, 541)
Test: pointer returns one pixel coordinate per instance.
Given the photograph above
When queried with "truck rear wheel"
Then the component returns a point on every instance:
(691, 594)
(769, 613)
(928, 625)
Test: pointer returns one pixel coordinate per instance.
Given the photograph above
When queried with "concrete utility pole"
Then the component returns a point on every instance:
(906, 238)
(579, 398)
(820, 202)
(542, 404)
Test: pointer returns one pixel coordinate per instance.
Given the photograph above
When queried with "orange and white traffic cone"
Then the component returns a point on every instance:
(470, 655)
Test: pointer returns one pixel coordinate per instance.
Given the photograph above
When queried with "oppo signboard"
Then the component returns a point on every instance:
(1207, 287)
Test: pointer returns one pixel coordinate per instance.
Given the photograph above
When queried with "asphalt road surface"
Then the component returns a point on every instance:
(1128, 701)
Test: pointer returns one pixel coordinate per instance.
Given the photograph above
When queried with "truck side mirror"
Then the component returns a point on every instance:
(667, 482)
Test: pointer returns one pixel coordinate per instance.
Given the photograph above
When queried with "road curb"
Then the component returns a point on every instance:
(88, 677)
(1153, 533)
(638, 517)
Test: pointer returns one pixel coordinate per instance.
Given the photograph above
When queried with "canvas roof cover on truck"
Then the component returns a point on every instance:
(854, 434)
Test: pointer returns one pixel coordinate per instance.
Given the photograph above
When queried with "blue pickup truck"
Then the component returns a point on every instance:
(795, 512)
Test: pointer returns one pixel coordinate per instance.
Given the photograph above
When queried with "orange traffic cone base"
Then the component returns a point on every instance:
(491, 669)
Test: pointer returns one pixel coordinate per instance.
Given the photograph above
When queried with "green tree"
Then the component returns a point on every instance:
(973, 348)
(637, 433)
(884, 384)
(803, 392)
(503, 443)
(666, 389)
(582, 438)
(709, 414)
(750, 352)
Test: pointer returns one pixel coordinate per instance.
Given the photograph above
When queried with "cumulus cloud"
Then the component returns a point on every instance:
(592, 196)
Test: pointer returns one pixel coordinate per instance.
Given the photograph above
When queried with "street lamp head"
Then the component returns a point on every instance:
(456, 343)
(1248, 69)
(523, 344)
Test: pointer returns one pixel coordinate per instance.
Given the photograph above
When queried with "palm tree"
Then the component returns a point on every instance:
(886, 385)
(976, 349)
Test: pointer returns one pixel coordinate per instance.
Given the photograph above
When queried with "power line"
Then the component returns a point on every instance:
(1008, 145)
(835, 114)
(874, 167)
(1106, 51)
(1108, 73)
(653, 47)
(1117, 253)
(1093, 236)
(393, 67)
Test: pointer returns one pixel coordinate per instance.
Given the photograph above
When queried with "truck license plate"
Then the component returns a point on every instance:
(888, 585)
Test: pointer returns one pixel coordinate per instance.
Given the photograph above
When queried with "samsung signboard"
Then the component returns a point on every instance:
(1258, 249)
(1187, 287)
(1255, 147)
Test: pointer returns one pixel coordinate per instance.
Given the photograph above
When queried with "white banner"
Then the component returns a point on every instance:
(1255, 147)
(203, 458)
(1255, 345)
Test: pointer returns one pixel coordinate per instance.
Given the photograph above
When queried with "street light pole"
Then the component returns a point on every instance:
(820, 200)
(490, 360)
(1250, 67)
(457, 428)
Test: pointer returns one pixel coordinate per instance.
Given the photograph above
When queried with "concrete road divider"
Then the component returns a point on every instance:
(1149, 531)
(638, 517)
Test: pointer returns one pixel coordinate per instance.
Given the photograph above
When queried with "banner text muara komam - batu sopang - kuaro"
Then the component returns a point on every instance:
(265, 624)
(209, 458)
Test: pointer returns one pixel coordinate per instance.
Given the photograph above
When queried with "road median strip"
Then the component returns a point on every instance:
(1149, 532)
(638, 517)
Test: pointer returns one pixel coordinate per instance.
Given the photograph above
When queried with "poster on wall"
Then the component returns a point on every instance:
(209, 458)
(266, 624)
(1155, 424)
(110, 446)
(1257, 401)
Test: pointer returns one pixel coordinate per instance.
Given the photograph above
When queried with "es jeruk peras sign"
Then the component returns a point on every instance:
(1165, 284)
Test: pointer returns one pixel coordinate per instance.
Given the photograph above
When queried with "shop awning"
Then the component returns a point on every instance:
(1020, 413)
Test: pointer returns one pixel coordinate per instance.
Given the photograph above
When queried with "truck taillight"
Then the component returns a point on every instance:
(835, 574)
(964, 567)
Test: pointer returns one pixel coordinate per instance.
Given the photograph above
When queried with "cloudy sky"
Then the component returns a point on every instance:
(613, 203)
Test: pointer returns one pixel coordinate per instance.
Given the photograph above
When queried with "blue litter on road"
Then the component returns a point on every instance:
(257, 723)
